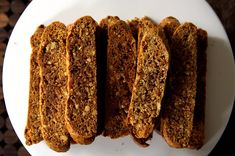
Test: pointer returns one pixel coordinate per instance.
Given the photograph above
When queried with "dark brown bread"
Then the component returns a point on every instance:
(33, 128)
(177, 120)
(169, 24)
(105, 22)
(102, 55)
(148, 90)
(134, 25)
(53, 86)
(197, 136)
(81, 109)
(121, 69)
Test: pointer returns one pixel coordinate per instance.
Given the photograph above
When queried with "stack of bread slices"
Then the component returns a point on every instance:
(117, 78)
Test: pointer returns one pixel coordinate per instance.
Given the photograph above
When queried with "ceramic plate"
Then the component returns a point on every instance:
(220, 76)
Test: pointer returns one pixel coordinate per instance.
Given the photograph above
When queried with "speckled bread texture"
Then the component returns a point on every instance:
(33, 128)
(145, 23)
(121, 69)
(169, 25)
(81, 109)
(177, 119)
(53, 86)
(136, 24)
(103, 42)
(149, 85)
(197, 136)
(105, 22)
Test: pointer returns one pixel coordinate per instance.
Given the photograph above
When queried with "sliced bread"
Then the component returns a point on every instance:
(149, 85)
(81, 109)
(33, 128)
(53, 86)
(169, 25)
(177, 118)
(121, 69)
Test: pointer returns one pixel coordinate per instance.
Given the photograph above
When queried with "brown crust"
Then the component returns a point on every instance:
(121, 68)
(144, 24)
(81, 109)
(33, 126)
(169, 25)
(148, 90)
(197, 137)
(105, 22)
(134, 25)
(177, 120)
(53, 86)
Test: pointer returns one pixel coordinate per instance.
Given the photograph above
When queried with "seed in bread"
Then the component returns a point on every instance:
(81, 109)
(177, 120)
(53, 86)
(121, 69)
(197, 136)
(149, 85)
(33, 128)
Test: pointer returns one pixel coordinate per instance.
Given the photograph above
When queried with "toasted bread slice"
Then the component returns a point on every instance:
(105, 22)
(177, 119)
(103, 42)
(33, 128)
(121, 69)
(135, 25)
(81, 109)
(53, 86)
(169, 25)
(197, 136)
(148, 90)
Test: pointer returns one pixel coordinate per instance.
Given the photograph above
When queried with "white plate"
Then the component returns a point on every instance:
(220, 76)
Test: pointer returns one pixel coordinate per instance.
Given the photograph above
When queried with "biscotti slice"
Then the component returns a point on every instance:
(177, 119)
(169, 25)
(33, 127)
(137, 27)
(121, 69)
(81, 109)
(197, 136)
(149, 85)
(53, 86)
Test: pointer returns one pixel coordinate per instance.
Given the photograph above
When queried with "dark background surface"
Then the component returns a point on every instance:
(10, 10)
